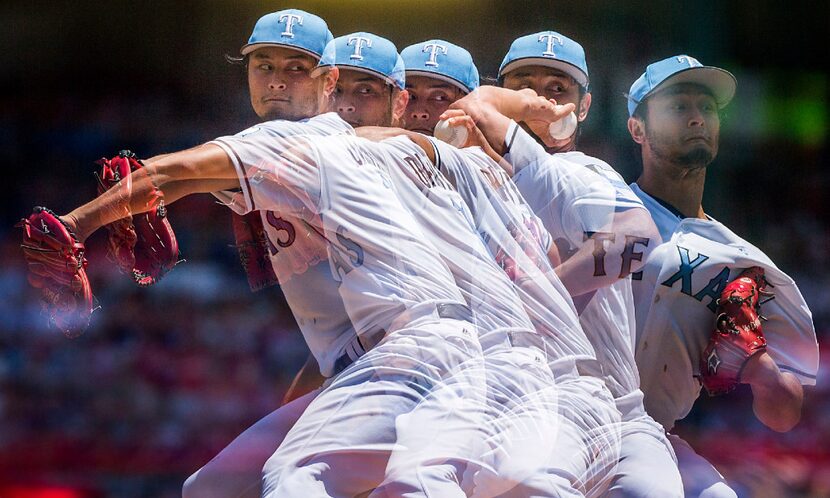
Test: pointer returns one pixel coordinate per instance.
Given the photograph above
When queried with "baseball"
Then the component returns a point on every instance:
(453, 135)
(564, 128)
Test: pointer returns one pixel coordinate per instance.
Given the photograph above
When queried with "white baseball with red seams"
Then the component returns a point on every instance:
(453, 135)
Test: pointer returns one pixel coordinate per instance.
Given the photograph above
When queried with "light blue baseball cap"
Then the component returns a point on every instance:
(290, 28)
(682, 69)
(442, 60)
(368, 53)
(549, 49)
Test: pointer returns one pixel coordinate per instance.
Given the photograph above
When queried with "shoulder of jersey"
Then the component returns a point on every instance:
(331, 119)
(402, 142)
(581, 158)
(477, 151)
(276, 127)
(595, 166)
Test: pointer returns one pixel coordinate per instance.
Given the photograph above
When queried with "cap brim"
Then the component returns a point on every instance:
(437, 76)
(250, 47)
(359, 69)
(719, 81)
(566, 67)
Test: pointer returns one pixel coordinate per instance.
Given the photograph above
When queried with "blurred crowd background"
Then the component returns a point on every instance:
(166, 376)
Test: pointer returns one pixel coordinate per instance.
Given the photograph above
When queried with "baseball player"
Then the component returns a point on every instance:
(517, 377)
(427, 438)
(602, 231)
(442, 73)
(674, 116)
(307, 436)
(280, 55)
(298, 255)
(361, 97)
(282, 51)
(377, 45)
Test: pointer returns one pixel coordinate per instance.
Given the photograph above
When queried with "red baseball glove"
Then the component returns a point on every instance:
(57, 268)
(143, 246)
(737, 336)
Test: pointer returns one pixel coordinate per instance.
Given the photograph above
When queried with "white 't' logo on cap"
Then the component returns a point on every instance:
(433, 49)
(289, 20)
(550, 38)
(359, 42)
(691, 61)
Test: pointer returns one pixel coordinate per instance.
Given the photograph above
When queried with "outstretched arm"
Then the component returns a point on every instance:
(206, 168)
(492, 108)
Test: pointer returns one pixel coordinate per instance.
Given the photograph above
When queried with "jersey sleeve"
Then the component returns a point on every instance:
(791, 336)
(275, 173)
(249, 147)
(571, 203)
(788, 328)
(521, 149)
(329, 123)
(604, 205)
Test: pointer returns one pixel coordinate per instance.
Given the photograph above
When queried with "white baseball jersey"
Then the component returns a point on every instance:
(367, 260)
(500, 220)
(449, 226)
(676, 295)
(297, 253)
(577, 198)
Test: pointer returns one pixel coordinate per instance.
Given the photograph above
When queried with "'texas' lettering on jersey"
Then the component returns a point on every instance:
(684, 275)
(601, 240)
